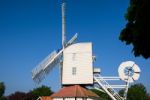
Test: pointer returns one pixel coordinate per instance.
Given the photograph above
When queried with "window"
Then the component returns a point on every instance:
(73, 56)
(74, 70)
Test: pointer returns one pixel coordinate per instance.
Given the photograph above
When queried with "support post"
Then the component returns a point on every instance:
(63, 24)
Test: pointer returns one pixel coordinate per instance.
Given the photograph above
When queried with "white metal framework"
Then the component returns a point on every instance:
(42, 69)
(107, 87)
(128, 72)
(51, 61)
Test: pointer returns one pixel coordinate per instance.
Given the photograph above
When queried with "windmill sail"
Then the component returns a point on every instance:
(42, 69)
(72, 40)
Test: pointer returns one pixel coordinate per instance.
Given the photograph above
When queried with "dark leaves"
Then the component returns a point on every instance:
(137, 30)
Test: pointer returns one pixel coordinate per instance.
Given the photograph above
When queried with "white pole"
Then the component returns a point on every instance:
(127, 86)
(63, 35)
(63, 24)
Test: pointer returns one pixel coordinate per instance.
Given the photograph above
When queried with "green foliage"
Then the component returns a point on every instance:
(3, 98)
(137, 30)
(41, 91)
(2, 89)
(121, 92)
(136, 92)
(101, 94)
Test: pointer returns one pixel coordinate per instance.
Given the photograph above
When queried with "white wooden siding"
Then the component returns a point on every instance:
(58, 99)
(78, 55)
(73, 99)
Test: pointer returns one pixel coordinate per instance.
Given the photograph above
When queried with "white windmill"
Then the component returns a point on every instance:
(77, 66)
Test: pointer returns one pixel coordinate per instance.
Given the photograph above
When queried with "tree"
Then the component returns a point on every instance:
(20, 96)
(136, 92)
(3, 98)
(41, 91)
(31, 95)
(2, 89)
(103, 95)
(137, 30)
(16, 96)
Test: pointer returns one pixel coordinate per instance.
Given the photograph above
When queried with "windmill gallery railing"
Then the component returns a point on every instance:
(107, 88)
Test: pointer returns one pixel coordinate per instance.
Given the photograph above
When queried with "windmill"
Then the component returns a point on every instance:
(71, 54)
(77, 67)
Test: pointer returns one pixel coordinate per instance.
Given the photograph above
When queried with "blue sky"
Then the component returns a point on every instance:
(31, 29)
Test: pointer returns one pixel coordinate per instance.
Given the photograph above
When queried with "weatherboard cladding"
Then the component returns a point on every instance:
(75, 91)
(79, 57)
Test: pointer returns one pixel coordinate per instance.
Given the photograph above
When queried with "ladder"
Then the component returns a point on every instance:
(107, 88)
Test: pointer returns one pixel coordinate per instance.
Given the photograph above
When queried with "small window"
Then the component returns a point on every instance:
(73, 56)
(74, 70)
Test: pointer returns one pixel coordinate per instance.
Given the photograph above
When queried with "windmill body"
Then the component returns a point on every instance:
(77, 64)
